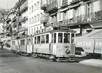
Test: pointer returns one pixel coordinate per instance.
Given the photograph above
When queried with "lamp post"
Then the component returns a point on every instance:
(18, 16)
(18, 21)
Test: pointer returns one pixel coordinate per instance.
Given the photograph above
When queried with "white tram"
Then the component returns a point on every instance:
(22, 46)
(55, 44)
(52, 44)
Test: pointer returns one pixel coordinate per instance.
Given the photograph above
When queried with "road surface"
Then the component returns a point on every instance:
(11, 63)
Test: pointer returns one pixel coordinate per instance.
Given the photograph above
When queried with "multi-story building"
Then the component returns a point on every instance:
(1, 30)
(16, 22)
(34, 18)
(80, 15)
(20, 19)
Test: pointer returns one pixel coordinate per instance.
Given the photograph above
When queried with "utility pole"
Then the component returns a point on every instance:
(18, 16)
(18, 22)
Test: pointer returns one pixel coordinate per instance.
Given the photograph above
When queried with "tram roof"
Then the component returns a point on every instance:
(72, 31)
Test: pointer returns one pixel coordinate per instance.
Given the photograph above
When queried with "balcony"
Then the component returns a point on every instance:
(8, 20)
(23, 19)
(75, 1)
(14, 19)
(52, 7)
(44, 19)
(78, 20)
(64, 3)
(24, 7)
(98, 15)
(43, 4)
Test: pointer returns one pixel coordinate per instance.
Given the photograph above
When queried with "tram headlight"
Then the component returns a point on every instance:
(67, 51)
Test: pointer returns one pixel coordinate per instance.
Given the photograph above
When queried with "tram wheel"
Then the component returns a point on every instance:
(34, 55)
(58, 60)
(52, 58)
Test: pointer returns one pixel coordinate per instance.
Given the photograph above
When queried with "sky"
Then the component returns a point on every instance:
(7, 4)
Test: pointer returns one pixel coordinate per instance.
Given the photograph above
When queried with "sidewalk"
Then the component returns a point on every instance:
(92, 62)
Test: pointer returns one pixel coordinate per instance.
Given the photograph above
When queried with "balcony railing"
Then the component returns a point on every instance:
(52, 7)
(75, 1)
(78, 20)
(64, 3)
(14, 19)
(43, 5)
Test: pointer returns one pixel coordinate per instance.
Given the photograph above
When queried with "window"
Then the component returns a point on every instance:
(28, 41)
(35, 40)
(72, 40)
(64, 15)
(66, 38)
(22, 42)
(96, 6)
(54, 38)
(47, 38)
(13, 42)
(38, 39)
(43, 39)
(60, 37)
(89, 9)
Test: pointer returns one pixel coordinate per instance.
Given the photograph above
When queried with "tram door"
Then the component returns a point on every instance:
(29, 45)
(51, 43)
(72, 44)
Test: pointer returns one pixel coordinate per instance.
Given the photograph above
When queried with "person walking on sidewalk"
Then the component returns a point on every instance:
(2, 45)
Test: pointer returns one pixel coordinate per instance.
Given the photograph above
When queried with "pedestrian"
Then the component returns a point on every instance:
(2, 45)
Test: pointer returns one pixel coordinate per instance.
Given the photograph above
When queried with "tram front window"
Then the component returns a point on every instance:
(60, 36)
(66, 38)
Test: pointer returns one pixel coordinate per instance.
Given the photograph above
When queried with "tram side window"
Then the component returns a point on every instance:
(35, 40)
(38, 39)
(60, 36)
(54, 37)
(66, 38)
(28, 41)
(72, 35)
(43, 39)
(47, 38)
(22, 42)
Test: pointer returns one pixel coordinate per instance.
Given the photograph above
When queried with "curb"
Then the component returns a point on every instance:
(92, 62)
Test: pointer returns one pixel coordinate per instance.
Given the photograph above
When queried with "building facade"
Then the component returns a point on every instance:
(19, 22)
(34, 17)
(80, 15)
